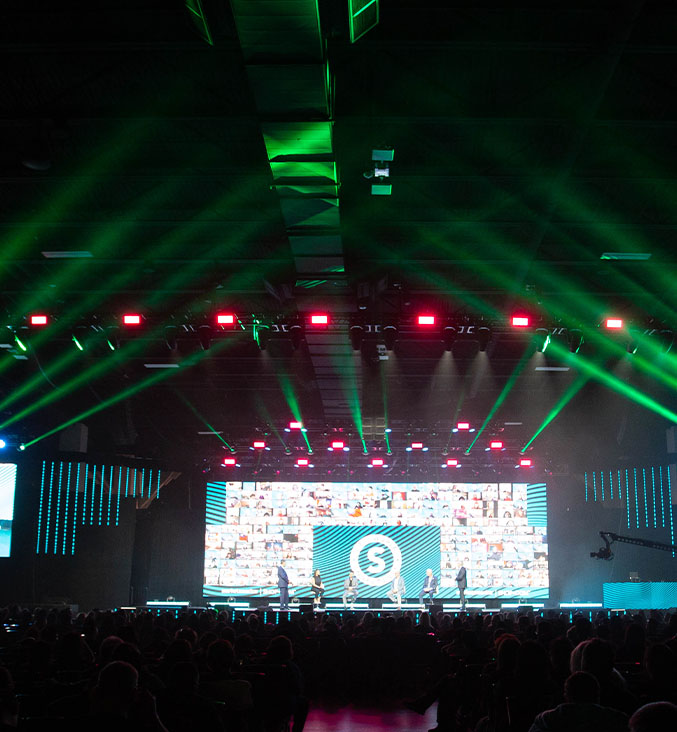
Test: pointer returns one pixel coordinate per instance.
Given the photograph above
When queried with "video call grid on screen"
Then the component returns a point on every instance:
(497, 530)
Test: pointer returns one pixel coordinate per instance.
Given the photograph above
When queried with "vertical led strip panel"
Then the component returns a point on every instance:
(78, 494)
(7, 491)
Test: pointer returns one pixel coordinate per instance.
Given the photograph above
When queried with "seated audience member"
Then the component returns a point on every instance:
(180, 707)
(581, 710)
(654, 717)
(117, 704)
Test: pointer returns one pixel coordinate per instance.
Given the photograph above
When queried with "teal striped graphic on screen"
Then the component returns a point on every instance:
(419, 547)
(649, 595)
(537, 506)
(216, 503)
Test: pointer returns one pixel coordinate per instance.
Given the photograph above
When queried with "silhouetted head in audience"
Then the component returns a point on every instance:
(581, 688)
(280, 649)
(116, 690)
(507, 649)
(654, 717)
(598, 659)
(220, 656)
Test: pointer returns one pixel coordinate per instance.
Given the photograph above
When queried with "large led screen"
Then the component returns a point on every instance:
(7, 488)
(497, 530)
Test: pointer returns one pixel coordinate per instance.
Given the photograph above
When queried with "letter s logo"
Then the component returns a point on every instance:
(373, 574)
(374, 556)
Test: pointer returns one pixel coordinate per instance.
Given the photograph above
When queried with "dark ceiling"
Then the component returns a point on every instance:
(219, 164)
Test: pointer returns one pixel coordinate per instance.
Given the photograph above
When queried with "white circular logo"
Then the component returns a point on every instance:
(377, 563)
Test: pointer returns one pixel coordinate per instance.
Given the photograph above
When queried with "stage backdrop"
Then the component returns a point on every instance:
(497, 530)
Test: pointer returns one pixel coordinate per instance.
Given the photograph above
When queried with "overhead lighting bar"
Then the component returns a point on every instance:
(426, 320)
(259, 445)
(377, 463)
(520, 321)
(295, 425)
(525, 463)
(225, 319)
(158, 365)
(38, 320)
(451, 463)
(551, 368)
(416, 445)
(131, 319)
(496, 445)
(319, 319)
(303, 462)
(229, 462)
(338, 445)
(463, 426)
(613, 323)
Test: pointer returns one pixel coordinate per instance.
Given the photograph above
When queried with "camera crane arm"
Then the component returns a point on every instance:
(608, 537)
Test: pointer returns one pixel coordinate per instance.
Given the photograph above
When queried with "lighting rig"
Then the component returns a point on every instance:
(461, 333)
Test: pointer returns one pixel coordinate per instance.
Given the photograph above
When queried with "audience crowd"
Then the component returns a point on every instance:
(203, 670)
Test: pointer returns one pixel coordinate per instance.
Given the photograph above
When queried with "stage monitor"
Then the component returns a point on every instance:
(7, 490)
(497, 530)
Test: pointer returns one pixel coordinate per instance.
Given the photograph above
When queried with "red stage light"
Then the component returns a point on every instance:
(38, 320)
(131, 319)
(259, 444)
(416, 445)
(337, 445)
(377, 462)
(496, 445)
(225, 319)
(463, 426)
(520, 321)
(426, 320)
(319, 319)
(229, 461)
(525, 463)
(614, 323)
(452, 462)
(303, 462)
(295, 425)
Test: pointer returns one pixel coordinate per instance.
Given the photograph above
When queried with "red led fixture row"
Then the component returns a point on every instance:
(322, 319)
(380, 462)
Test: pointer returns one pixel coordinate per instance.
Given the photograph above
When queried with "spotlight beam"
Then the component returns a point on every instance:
(568, 395)
(502, 396)
(194, 410)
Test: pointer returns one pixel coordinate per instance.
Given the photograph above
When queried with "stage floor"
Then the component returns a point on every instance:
(384, 717)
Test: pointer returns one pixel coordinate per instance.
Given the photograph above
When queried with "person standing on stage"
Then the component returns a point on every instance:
(283, 583)
(397, 590)
(462, 582)
(429, 586)
(349, 589)
(317, 587)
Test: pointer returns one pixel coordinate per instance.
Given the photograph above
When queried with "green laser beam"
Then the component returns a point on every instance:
(502, 396)
(568, 395)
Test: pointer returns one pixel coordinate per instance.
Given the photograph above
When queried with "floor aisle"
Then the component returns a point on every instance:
(368, 719)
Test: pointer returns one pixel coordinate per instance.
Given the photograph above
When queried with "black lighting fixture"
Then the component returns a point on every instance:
(483, 337)
(170, 337)
(204, 334)
(390, 332)
(379, 173)
(356, 331)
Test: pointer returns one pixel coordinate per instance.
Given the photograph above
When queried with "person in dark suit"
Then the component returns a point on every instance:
(429, 586)
(283, 583)
(462, 582)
